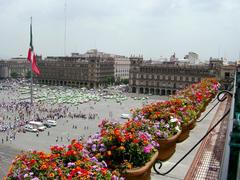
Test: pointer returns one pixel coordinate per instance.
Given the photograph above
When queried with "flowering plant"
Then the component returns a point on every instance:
(183, 107)
(121, 148)
(61, 163)
(168, 123)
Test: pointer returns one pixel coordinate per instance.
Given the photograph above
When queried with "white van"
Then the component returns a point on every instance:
(30, 128)
(38, 125)
(52, 122)
(125, 116)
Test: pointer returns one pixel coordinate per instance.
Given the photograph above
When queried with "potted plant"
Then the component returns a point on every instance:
(62, 163)
(131, 153)
(165, 128)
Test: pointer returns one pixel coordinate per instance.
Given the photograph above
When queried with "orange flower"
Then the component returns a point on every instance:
(113, 147)
(145, 142)
(10, 168)
(116, 132)
(43, 167)
(98, 155)
(122, 148)
(109, 153)
(54, 165)
(51, 175)
(32, 161)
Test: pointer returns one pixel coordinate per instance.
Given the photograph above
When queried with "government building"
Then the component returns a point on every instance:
(18, 67)
(92, 69)
(164, 78)
(76, 71)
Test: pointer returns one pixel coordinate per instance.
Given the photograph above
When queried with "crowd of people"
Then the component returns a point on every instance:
(14, 115)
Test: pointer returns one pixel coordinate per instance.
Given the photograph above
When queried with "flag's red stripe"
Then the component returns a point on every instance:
(34, 65)
(29, 54)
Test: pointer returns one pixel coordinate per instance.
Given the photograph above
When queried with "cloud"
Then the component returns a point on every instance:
(153, 28)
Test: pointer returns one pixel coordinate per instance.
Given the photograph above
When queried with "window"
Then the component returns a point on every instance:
(227, 75)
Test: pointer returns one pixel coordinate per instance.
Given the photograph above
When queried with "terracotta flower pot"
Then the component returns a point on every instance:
(185, 132)
(141, 173)
(203, 108)
(198, 115)
(167, 147)
(192, 124)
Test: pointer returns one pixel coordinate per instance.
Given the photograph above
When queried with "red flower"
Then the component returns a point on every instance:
(117, 132)
(135, 141)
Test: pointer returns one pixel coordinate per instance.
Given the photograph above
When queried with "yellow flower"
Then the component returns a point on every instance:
(23, 166)
(78, 162)
(129, 166)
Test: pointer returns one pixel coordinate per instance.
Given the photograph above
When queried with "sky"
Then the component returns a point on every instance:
(152, 28)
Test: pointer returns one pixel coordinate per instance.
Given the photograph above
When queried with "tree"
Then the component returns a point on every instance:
(125, 81)
(14, 74)
(109, 80)
(28, 75)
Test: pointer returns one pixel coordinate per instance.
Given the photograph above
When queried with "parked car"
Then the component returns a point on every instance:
(47, 124)
(30, 128)
(51, 122)
(125, 116)
(38, 125)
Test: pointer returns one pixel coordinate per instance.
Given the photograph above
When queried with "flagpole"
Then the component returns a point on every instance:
(31, 86)
(31, 73)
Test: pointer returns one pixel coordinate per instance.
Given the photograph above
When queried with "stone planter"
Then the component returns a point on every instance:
(141, 173)
(167, 147)
(185, 132)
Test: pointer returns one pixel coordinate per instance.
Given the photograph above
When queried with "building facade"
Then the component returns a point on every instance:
(78, 71)
(121, 63)
(148, 77)
(121, 68)
(18, 66)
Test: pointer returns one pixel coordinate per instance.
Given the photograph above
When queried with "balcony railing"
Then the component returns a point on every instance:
(232, 144)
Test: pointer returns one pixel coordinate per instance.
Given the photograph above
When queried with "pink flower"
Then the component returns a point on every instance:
(148, 148)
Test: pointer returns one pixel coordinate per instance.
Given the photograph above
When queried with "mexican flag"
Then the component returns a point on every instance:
(31, 54)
